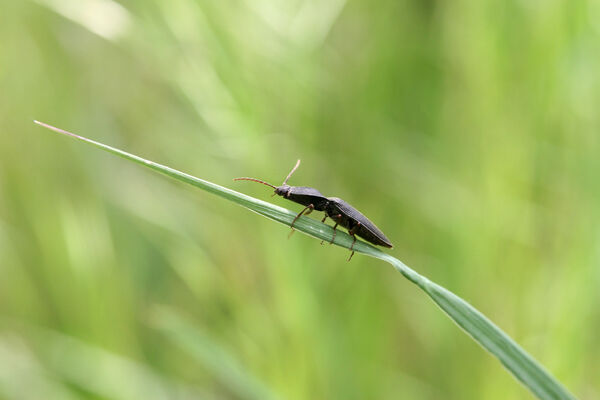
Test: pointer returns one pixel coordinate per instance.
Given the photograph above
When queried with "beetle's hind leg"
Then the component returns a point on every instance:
(352, 233)
(353, 241)
(310, 209)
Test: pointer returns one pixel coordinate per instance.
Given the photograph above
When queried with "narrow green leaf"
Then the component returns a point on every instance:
(480, 328)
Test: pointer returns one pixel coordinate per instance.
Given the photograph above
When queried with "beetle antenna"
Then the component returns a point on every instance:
(292, 171)
(254, 180)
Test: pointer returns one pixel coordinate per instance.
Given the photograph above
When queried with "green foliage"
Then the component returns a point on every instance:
(472, 321)
(467, 131)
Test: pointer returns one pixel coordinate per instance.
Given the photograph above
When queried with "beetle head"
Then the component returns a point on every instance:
(283, 190)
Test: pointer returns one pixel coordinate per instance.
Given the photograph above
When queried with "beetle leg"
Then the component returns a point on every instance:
(323, 221)
(352, 232)
(351, 254)
(337, 216)
(334, 233)
(309, 207)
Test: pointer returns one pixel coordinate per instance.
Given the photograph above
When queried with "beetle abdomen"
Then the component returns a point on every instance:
(349, 219)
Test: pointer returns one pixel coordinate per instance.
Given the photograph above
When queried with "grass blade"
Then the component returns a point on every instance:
(479, 327)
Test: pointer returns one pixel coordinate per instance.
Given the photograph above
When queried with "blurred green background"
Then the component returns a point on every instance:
(468, 131)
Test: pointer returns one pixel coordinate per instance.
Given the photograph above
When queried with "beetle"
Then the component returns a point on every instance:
(342, 213)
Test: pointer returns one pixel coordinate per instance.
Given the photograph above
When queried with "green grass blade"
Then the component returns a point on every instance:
(480, 328)
(524, 367)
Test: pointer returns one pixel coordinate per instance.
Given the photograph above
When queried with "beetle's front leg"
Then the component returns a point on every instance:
(310, 209)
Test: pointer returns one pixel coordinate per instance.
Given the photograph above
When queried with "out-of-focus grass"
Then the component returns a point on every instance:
(466, 131)
(480, 328)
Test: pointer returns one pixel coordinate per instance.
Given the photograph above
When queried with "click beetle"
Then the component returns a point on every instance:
(342, 213)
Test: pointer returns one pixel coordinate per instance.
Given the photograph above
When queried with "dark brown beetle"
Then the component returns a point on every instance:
(342, 213)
